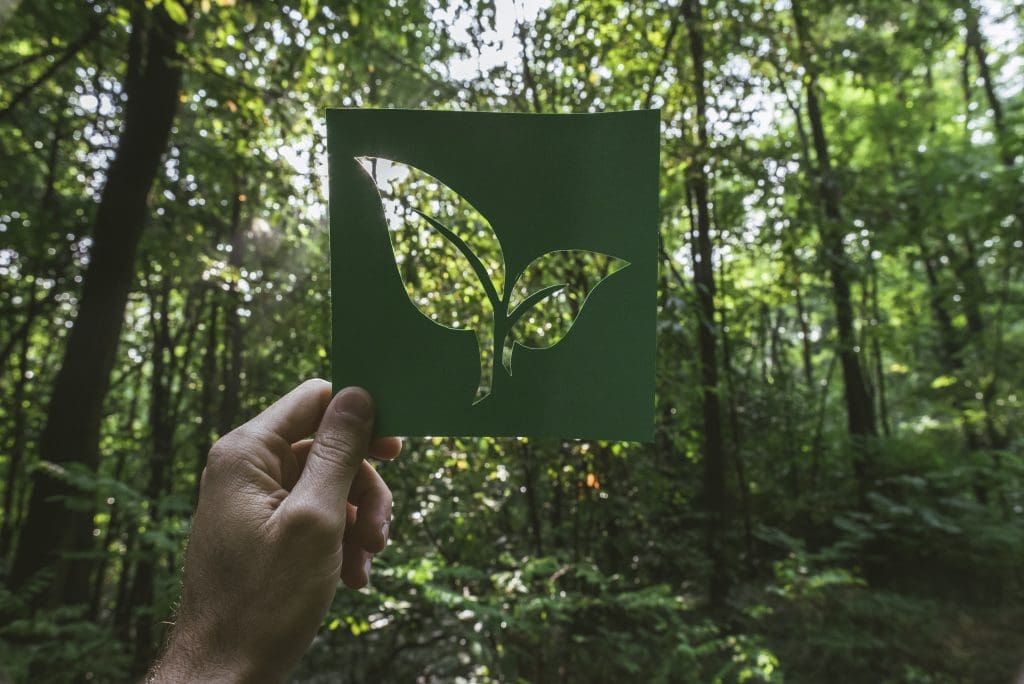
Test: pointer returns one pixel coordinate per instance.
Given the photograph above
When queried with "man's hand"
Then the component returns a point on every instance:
(280, 518)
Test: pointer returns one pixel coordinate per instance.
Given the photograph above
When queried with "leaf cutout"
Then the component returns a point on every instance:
(549, 296)
(447, 254)
(453, 269)
(408, 186)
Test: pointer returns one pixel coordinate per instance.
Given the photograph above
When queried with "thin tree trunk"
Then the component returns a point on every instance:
(35, 308)
(162, 428)
(230, 404)
(876, 352)
(714, 490)
(209, 380)
(19, 432)
(805, 334)
(951, 362)
(975, 43)
(817, 443)
(738, 460)
(114, 523)
(859, 410)
(532, 503)
(122, 602)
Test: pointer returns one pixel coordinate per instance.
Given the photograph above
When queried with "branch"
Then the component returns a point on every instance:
(28, 59)
(73, 49)
(666, 50)
(528, 79)
(670, 263)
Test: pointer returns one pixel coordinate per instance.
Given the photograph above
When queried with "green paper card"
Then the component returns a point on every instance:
(496, 274)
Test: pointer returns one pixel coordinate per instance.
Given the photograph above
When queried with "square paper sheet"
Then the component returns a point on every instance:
(496, 274)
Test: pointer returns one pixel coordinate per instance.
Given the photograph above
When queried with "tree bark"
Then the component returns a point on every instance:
(876, 352)
(714, 492)
(735, 435)
(19, 432)
(532, 503)
(805, 335)
(114, 525)
(230, 404)
(162, 437)
(209, 374)
(72, 430)
(975, 44)
(859, 409)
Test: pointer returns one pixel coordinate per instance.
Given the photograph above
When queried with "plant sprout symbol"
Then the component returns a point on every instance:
(454, 270)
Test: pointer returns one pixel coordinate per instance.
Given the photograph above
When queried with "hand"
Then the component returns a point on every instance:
(280, 518)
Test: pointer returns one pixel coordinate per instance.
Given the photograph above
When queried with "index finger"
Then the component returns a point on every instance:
(296, 414)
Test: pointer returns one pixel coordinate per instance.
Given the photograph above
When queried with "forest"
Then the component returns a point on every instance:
(835, 491)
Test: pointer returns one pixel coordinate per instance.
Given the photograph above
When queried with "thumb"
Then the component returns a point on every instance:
(341, 442)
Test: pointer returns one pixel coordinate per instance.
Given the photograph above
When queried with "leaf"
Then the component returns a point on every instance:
(549, 296)
(175, 11)
(447, 254)
(943, 381)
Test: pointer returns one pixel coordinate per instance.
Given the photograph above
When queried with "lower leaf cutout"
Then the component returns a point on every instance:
(451, 263)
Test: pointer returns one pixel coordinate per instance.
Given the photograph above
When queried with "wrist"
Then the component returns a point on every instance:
(190, 657)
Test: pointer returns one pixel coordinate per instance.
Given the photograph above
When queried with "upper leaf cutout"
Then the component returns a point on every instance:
(405, 186)
(453, 268)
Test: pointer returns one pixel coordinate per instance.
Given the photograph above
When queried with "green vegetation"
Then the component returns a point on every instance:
(836, 490)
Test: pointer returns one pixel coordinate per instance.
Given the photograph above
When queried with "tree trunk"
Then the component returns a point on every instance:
(714, 494)
(876, 352)
(19, 433)
(805, 335)
(72, 430)
(859, 410)
(162, 438)
(975, 43)
(532, 504)
(209, 374)
(122, 604)
(230, 404)
(735, 435)
(114, 526)
(35, 309)
(951, 362)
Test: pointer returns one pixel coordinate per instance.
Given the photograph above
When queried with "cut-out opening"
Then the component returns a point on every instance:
(453, 269)
(549, 295)
(440, 243)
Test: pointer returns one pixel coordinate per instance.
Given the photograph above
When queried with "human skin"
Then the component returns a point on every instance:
(280, 519)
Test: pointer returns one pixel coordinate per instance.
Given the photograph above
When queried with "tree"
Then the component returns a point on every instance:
(704, 285)
(860, 412)
(71, 435)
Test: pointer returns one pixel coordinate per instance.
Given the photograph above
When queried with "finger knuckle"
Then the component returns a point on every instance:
(222, 456)
(343, 448)
(231, 451)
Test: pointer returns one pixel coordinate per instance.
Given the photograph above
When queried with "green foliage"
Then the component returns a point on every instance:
(893, 558)
(56, 645)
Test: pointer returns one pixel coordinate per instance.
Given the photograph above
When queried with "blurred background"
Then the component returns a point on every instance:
(835, 489)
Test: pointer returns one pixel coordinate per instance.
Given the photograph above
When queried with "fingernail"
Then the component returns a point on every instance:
(384, 529)
(355, 402)
(366, 568)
